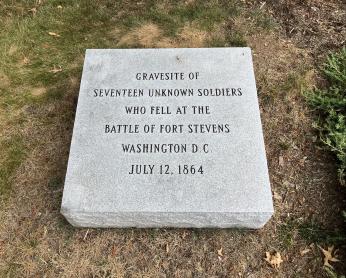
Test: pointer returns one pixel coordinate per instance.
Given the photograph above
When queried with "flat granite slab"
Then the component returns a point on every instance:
(167, 138)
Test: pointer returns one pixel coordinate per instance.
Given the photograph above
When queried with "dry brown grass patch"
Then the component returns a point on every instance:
(150, 35)
(190, 36)
(275, 57)
(167, 43)
(13, 49)
(114, 33)
(241, 25)
(146, 36)
(37, 92)
(164, 6)
(4, 81)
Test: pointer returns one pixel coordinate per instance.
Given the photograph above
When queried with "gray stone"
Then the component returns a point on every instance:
(224, 184)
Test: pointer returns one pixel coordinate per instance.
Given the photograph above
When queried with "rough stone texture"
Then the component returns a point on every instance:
(234, 190)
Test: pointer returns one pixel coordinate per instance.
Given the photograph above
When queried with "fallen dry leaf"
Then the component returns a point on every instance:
(328, 256)
(274, 260)
(184, 235)
(277, 196)
(305, 251)
(53, 34)
(281, 161)
(199, 268)
(55, 69)
(33, 11)
(25, 60)
(220, 254)
(86, 234)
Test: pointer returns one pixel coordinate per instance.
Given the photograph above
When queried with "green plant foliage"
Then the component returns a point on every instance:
(314, 232)
(332, 274)
(15, 151)
(331, 103)
(310, 231)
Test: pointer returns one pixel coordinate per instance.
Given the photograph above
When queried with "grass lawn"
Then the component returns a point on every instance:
(42, 45)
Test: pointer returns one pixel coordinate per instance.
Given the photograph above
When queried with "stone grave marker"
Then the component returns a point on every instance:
(167, 138)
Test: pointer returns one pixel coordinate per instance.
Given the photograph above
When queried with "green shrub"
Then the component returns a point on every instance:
(331, 105)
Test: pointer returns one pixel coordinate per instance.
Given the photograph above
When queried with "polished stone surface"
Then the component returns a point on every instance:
(221, 117)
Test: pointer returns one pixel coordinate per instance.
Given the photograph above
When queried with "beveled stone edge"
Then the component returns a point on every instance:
(247, 220)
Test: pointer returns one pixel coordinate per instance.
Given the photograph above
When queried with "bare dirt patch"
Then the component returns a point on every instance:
(316, 25)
